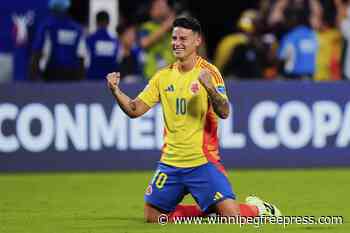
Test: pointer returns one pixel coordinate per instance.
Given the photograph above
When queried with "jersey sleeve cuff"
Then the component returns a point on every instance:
(149, 104)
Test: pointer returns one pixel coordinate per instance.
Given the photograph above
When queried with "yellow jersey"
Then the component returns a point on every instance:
(190, 132)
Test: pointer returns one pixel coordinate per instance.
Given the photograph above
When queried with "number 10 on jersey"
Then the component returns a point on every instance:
(181, 106)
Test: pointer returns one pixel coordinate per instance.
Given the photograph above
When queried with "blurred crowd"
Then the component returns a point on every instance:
(289, 39)
(282, 39)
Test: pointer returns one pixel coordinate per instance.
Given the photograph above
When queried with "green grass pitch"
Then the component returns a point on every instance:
(113, 202)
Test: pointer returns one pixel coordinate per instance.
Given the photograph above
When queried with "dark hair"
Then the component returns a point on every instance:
(329, 14)
(297, 17)
(122, 27)
(170, 3)
(102, 16)
(188, 23)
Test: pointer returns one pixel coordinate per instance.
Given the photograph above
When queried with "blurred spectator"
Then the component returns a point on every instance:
(227, 45)
(274, 13)
(130, 56)
(101, 50)
(58, 46)
(299, 46)
(343, 10)
(329, 52)
(245, 55)
(155, 37)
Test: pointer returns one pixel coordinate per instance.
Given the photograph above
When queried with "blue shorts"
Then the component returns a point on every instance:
(205, 183)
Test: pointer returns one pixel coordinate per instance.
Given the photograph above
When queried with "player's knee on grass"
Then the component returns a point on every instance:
(227, 207)
(151, 214)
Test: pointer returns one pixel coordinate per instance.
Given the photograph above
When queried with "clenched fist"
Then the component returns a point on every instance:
(113, 80)
(205, 79)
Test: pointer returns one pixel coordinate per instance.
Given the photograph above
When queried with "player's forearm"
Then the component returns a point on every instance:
(276, 14)
(126, 103)
(219, 103)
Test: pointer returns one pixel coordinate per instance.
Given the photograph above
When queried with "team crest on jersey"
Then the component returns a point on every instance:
(149, 190)
(195, 87)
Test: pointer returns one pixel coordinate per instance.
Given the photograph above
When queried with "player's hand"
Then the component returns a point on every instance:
(205, 80)
(113, 80)
(168, 23)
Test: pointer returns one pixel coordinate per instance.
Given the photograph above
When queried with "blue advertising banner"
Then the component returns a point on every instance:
(79, 127)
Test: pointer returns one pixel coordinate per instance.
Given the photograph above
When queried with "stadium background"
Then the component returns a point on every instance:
(206, 12)
(294, 134)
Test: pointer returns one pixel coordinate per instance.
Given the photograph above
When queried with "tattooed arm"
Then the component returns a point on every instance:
(219, 103)
(131, 107)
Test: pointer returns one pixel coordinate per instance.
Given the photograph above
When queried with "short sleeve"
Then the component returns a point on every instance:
(150, 94)
(218, 82)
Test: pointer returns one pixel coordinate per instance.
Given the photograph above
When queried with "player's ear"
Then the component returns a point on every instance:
(198, 39)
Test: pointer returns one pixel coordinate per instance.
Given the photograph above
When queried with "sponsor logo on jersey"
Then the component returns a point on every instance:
(170, 88)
